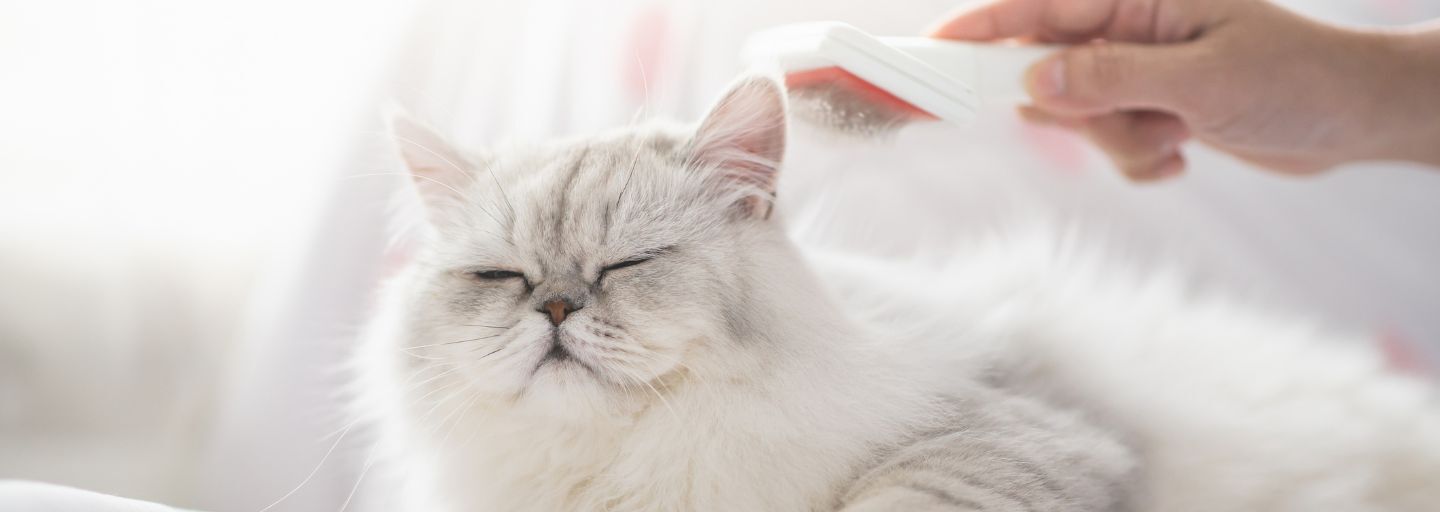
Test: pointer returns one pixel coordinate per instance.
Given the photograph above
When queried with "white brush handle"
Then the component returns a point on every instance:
(994, 71)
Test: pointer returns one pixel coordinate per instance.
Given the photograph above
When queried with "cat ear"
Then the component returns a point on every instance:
(743, 137)
(437, 169)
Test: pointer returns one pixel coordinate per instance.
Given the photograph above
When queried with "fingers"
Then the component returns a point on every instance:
(1104, 77)
(996, 20)
(1037, 116)
(1145, 146)
(1045, 20)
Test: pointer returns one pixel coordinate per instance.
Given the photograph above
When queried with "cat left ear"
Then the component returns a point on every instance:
(743, 137)
(439, 171)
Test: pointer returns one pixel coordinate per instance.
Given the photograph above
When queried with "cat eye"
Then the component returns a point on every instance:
(624, 264)
(496, 275)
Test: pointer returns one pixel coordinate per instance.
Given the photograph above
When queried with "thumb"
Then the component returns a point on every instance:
(1104, 77)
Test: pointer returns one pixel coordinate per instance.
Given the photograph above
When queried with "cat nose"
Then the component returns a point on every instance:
(558, 310)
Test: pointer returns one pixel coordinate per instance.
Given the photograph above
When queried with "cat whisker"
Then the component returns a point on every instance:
(390, 134)
(625, 187)
(639, 111)
(456, 167)
(673, 415)
(645, 84)
(459, 418)
(631, 355)
(408, 352)
(424, 418)
(340, 430)
(652, 389)
(422, 371)
(489, 169)
(491, 326)
(456, 342)
(369, 461)
(623, 352)
(314, 471)
(462, 171)
(432, 392)
(432, 378)
(445, 388)
(676, 361)
(610, 347)
(492, 352)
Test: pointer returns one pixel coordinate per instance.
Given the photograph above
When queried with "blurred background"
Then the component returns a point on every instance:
(194, 198)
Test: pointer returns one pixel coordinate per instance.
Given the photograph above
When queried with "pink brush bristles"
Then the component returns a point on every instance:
(836, 98)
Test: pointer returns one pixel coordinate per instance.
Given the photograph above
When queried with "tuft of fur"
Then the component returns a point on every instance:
(708, 363)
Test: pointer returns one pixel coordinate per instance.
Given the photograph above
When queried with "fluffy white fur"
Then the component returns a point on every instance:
(734, 371)
(1230, 407)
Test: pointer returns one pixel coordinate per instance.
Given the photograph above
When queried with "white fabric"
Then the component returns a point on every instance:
(22, 496)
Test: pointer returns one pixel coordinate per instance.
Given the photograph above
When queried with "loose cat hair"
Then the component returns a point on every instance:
(620, 322)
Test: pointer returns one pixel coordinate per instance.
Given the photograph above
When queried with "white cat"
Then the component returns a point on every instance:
(619, 322)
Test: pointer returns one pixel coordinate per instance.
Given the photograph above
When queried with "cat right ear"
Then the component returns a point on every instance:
(438, 171)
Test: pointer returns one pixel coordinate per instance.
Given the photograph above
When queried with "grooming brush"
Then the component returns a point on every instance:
(839, 76)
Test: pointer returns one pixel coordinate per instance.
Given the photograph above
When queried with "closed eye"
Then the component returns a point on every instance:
(627, 263)
(496, 275)
(624, 264)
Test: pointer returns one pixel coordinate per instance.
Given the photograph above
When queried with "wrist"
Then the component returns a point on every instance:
(1351, 94)
(1410, 94)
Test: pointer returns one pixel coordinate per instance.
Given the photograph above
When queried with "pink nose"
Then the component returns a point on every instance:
(558, 310)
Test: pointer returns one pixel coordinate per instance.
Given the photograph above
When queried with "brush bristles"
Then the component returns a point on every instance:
(838, 100)
(844, 111)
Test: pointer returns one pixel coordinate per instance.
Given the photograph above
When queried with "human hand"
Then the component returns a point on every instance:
(1247, 77)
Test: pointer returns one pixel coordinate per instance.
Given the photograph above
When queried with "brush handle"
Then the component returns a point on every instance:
(993, 71)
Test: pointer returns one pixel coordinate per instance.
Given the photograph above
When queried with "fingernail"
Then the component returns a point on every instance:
(1049, 79)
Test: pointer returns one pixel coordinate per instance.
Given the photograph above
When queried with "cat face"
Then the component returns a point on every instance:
(580, 272)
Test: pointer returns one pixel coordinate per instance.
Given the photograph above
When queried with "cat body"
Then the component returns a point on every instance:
(1224, 405)
(620, 322)
(786, 412)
